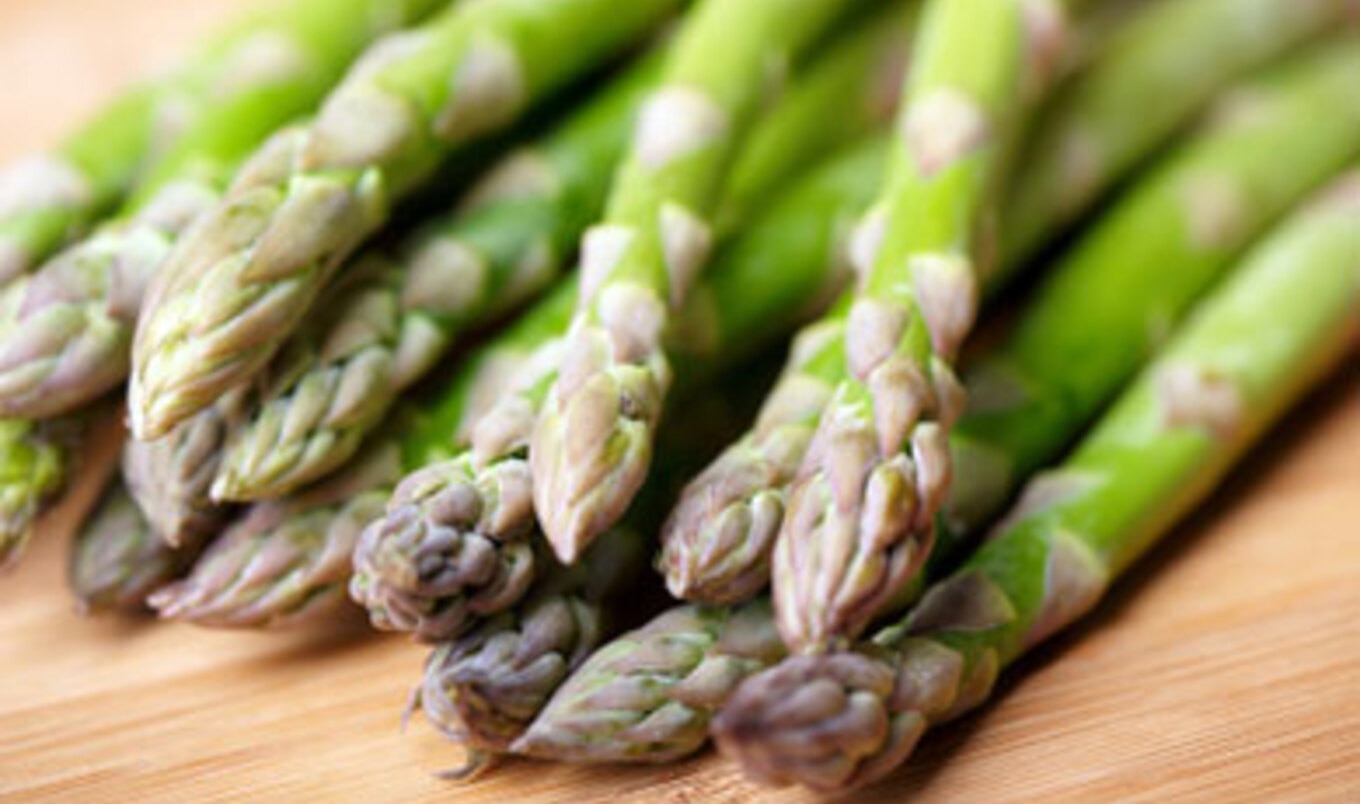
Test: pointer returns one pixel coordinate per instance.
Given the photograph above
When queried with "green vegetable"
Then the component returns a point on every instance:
(241, 282)
(860, 511)
(648, 695)
(592, 442)
(846, 719)
(66, 331)
(117, 559)
(32, 471)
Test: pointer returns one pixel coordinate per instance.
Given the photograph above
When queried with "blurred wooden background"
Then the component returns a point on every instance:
(1226, 669)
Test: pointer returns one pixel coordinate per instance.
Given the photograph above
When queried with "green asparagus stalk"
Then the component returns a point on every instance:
(859, 518)
(284, 562)
(786, 261)
(849, 88)
(118, 559)
(484, 688)
(592, 442)
(170, 478)
(32, 470)
(241, 281)
(419, 568)
(66, 332)
(45, 199)
(717, 541)
(1150, 78)
(648, 695)
(48, 199)
(336, 379)
(841, 720)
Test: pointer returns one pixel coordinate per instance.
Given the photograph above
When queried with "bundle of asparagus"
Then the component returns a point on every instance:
(844, 719)
(844, 178)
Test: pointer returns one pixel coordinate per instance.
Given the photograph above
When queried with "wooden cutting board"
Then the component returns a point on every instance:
(1226, 669)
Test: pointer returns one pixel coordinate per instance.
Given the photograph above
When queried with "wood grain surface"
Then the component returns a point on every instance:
(1227, 668)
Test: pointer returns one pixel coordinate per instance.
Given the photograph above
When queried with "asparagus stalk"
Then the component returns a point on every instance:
(717, 541)
(786, 261)
(335, 380)
(32, 469)
(241, 281)
(420, 567)
(284, 562)
(849, 88)
(1151, 76)
(47, 198)
(66, 331)
(485, 687)
(717, 552)
(860, 512)
(841, 720)
(648, 695)
(592, 441)
(118, 559)
(170, 478)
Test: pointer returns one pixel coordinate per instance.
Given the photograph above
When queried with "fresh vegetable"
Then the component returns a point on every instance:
(592, 441)
(238, 285)
(841, 720)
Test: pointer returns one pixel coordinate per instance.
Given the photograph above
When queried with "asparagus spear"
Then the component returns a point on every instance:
(1136, 259)
(66, 331)
(592, 441)
(46, 198)
(717, 541)
(284, 562)
(849, 88)
(860, 512)
(32, 466)
(525, 216)
(1150, 77)
(418, 568)
(338, 376)
(648, 695)
(483, 688)
(170, 478)
(786, 261)
(841, 720)
(240, 282)
(118, 559)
